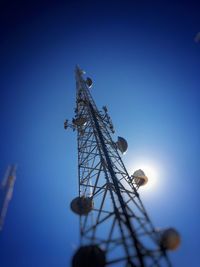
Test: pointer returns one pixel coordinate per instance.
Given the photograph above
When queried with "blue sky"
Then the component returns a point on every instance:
(145, 66)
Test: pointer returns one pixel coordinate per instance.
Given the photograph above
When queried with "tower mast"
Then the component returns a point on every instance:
(114, 226)
(6, 191)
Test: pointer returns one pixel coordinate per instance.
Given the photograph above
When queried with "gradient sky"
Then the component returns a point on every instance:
(145, 66)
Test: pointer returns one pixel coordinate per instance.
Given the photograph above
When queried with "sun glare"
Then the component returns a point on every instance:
(151, 170)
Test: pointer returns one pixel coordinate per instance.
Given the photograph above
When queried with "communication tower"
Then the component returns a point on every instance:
(6, 191)
(115, 228)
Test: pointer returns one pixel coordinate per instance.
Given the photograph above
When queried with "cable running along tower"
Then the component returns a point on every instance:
(115, 228)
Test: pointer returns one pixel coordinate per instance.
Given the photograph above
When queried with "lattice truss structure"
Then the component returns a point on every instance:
(118, 222)
(6, 192)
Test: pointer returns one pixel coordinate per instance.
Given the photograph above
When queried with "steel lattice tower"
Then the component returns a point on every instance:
(114, 226)
(6, 191)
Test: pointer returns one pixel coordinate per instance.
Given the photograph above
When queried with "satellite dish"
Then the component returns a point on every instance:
(89, 82)
(139, 177)
(170, 239)
(89, 256)
(122, 144)
(80, 121)
(82, 205)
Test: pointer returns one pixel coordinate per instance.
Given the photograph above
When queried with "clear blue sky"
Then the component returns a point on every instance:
(145, 66)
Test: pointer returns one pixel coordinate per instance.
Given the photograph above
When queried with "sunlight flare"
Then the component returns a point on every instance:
(151, 170)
